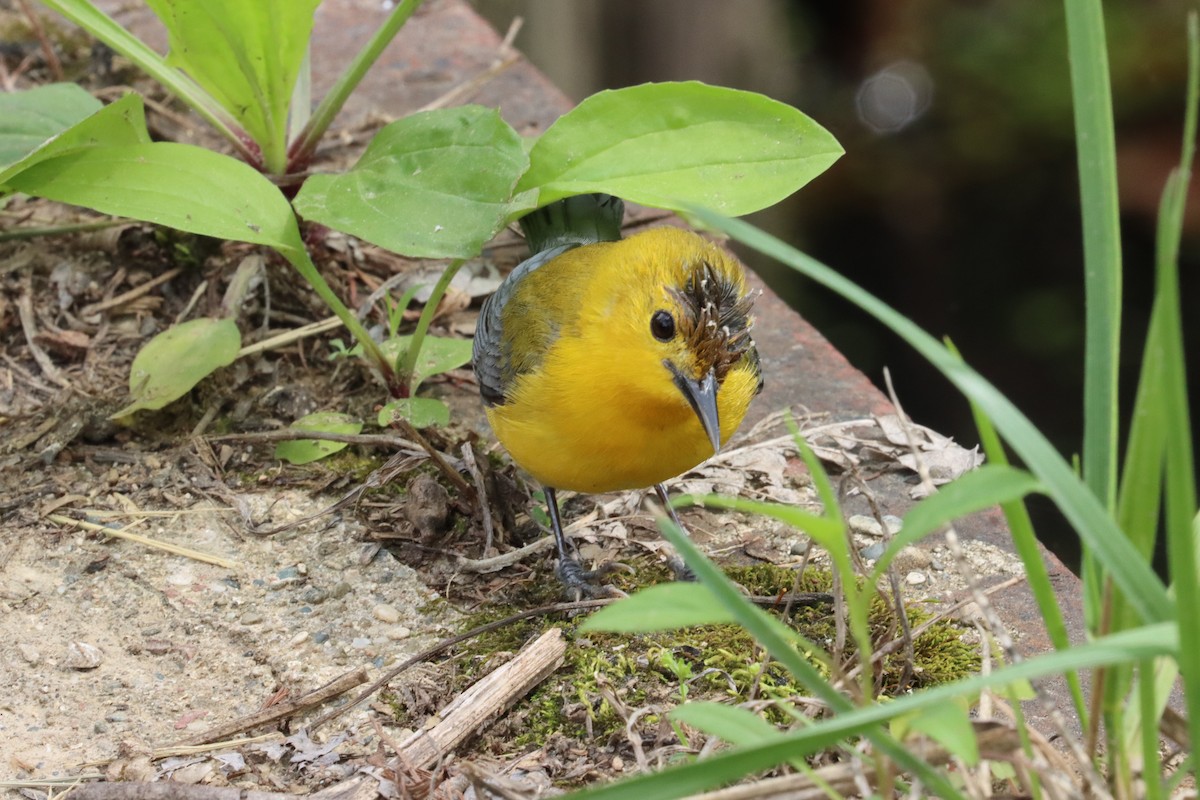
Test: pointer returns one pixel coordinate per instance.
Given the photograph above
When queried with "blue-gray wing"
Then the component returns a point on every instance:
(495, 366)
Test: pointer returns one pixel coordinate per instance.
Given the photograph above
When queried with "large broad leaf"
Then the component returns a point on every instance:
(246, 55)
(303, 451)
(28, 119)
(177, 185)
(673, 144)
(433, 185)
(120, 123)
(177, 359)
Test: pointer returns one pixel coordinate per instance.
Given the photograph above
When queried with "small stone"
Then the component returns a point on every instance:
(911, 559)
(99, 727)
(872, 552)
(397, 633)
(915, 578)
(321, 637)
(116, 716)
(427, 506)
(340, 590)
(300, 638)
(315, 596)
(936, 564)
(360, 643)
(251, 618)
(618, 764)
(81, 655)
(799, 548)
(29, 652)
(385, 613)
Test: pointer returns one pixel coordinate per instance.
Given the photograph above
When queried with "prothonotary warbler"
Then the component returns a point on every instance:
(609, 363)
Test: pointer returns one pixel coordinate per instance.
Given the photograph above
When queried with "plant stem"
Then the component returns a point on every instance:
(306, 144)
(298, 257)
(408, 362)
(59, 230)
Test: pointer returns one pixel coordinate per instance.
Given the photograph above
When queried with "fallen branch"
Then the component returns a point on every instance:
(337, 686)
(485, 700)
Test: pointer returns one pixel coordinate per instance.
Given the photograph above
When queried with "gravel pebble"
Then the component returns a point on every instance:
(251, 618)
(300, 638)
(385, 613)
(915, 578)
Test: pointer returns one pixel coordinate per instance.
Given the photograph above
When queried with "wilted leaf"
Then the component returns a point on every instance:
(302, 451)
(177, 359)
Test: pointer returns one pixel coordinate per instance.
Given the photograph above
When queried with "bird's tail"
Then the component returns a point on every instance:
(581, 219)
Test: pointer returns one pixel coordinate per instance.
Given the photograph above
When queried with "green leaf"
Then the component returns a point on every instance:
(1082, 508)
(433, 185)
(438, 354)
(665, 606)
(246, 55)
(120, 123)
(28, 119)
(982, 488)
(303, 451)
(421, 412)
(732, 724)
(181, 186)
(671, 145)
(177, 359)
(946, 723)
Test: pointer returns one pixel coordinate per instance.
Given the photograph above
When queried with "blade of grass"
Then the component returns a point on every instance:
(1026, 543)
(1180, 495)
(1151, 641)
(1078, 503)
(1096, 152)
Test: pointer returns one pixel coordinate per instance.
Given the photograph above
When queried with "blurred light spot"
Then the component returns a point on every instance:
(895, 97)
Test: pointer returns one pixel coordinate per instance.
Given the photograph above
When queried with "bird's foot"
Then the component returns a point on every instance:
(579, 582)
(682, 571)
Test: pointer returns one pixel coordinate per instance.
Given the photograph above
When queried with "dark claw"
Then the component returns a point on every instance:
(579, 581)
(682, 571)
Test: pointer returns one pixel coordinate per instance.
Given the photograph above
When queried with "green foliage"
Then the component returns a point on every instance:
(304, 451)
(29, 118)
(675, 145)
(246, 56)
(448, 175)
(420, 412)
(177, 359)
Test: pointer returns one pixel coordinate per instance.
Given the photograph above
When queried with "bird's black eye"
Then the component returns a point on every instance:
(662, 325)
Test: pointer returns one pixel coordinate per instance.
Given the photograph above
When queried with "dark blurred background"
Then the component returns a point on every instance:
(956, 201)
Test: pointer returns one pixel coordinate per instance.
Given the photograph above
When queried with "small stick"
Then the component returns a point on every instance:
(446, 644)
(287, 337)
(335, 687)
(291, 434)
(124, 533)
(29, 326)
(484, 508)
(486, 699)
(169, 790)
(132, 294)
(35, 22)
(438, 459)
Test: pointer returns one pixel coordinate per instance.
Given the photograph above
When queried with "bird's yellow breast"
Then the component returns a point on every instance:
(599, 410)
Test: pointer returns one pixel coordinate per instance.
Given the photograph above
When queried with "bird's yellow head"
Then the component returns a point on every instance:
(679, 319)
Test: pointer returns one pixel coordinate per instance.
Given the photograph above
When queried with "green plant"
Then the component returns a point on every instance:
(437, 184)
(1142, 635)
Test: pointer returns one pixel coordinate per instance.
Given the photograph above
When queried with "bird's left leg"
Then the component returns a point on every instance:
(577, 580)
(682, 571)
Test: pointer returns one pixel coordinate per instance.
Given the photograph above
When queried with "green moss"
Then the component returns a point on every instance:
(667, 668)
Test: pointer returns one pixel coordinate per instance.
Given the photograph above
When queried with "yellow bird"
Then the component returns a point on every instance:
(608, 363)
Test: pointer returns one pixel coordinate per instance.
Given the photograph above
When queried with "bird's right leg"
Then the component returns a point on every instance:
(574, 577)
